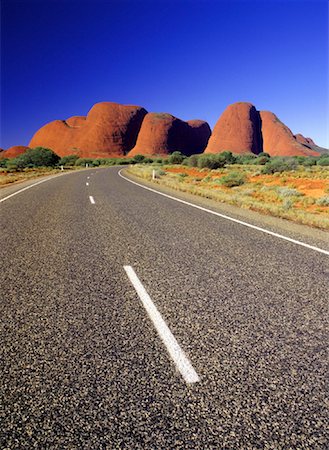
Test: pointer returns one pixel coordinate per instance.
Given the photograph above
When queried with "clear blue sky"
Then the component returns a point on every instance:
(187, 57)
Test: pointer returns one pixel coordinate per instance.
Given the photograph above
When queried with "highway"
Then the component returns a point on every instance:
(130, 320)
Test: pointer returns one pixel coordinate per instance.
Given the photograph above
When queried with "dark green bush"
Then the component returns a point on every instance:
(139, 158)
(323, 161)
(211, 161)
(3, 162)
(245, 159)
(279, 165)
(176, 158)
(84, 161)
(192, 161)
(233, 179)
(36, 157)
(68, 160)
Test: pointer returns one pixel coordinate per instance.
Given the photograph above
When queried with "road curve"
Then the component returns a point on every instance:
(82, 364)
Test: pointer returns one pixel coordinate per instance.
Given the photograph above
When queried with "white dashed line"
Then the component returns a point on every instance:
(91, 198)
(180, 359)
(87, 184)
(223, 216)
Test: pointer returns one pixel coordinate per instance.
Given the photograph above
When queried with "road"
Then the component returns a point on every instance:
(83, 365)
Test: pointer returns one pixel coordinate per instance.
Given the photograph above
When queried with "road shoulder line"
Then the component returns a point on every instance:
(224, 216)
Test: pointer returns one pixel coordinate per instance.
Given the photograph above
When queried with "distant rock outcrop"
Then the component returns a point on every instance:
(199, 134)
(162, 133)
(14, 151)
(304, 140)
(237, 130)
(278, 139)
(76, 121)
(109, 130)
(114, 130)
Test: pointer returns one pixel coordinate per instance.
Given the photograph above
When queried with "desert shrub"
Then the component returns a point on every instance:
(306, 161)
(68, 160)
(289, 192)
(227, 157)
(245, 159)
(262, 159)
(323, 201)
(323, 161)
(287, 204)
(233, 179)
(279, 165)
(36, 157)
(3, 162)
(84, 161)
(139, 158)
(176, 158)
(192, 161)
(210, 161)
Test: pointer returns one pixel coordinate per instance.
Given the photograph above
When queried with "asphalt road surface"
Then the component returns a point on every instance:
(83, 366)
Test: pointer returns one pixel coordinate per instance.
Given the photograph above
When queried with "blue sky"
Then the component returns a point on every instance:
(190, 58)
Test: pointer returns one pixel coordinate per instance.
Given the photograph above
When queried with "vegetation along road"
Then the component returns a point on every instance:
(132, 320)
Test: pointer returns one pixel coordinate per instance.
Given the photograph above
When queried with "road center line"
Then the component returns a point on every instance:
(180, 359)
(87, 184)
(224, 216)
(91, 198)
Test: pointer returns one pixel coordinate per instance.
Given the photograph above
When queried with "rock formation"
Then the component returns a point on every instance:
(278, 140)
(304, 140)
(237, 130)
(163, 133)
(199, 134)
(76, 121)
(109, 130)
(14, 151)
(114, 130)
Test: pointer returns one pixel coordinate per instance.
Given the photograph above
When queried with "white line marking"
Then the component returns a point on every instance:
(27, 187)
(88, 178)
(91, 198)
(87, 184)
(180, 359)
(223, 216)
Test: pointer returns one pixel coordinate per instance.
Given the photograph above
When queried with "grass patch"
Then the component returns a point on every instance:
(298, 195)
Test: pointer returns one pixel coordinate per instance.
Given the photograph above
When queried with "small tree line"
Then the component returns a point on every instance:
(45, 157)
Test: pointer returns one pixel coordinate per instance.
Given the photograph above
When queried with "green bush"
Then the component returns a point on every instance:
(261, 159)
(279, 165)
(227, 157)
(323, 201)
(245, 159)
(84, 161)
(68, 160)
(3, 162)
(289, 192)
(233, 179)
(139, 158)
(323, 161)
(176, 158)
(211, 161)
(36, 157)
(192, 161)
